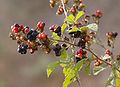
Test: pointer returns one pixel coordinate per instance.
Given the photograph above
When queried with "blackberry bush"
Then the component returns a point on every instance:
(72, 42)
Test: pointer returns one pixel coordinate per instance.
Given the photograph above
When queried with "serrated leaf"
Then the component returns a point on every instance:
(70, 19)
(55, 36)
(98, 69)
(93, 26)
(51, 67)
(79, 15)
(63, 27)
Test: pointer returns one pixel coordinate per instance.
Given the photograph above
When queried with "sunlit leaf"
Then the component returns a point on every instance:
(93, 26)
(117, 82)
(70, 77)
(79, 15)
(71, 73)
(70, 19)
(51, 67)
(64, 54)
(64, 26)
(55, 36)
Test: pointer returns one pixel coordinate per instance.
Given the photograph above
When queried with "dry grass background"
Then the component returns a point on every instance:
(30, 70)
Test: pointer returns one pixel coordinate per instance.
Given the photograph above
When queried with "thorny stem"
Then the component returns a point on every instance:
(65, 12)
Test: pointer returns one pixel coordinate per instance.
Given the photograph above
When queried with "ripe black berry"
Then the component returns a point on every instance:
(81, 43)
(32, 35)
(77, 59)
(58, 31)
(22, 49)
(57, 50)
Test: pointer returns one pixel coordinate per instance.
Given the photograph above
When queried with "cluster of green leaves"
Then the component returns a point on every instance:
(66, 61)
(71, 19)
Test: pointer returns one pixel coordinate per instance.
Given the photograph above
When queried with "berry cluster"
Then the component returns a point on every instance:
(29, 39)
(97, 62)
(78, 6)
(76, 35)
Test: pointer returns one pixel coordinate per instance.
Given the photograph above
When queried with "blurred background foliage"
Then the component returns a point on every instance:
(30, 70)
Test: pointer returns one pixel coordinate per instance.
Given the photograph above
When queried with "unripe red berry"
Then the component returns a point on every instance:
(52, 28)
(16, 25)
(26, 30)
(15, 30)
(80, 51)
(107, 51)
(21, 27)
(98, 13)
(40, 25)
(42, 36)
(73, 10)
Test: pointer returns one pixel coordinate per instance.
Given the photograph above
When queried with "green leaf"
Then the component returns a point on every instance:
(117, 82)
(118, 62)
(74, 29)
(79, 15)
(79, 65)
(55, 36)
(93, 26)
(70, 77)
(87, 69)
(51, 67)
(66, 70)
(70, 19)
(64, 54)
(84, 28)
(71, 72)
(63, 27)
(98, 69)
